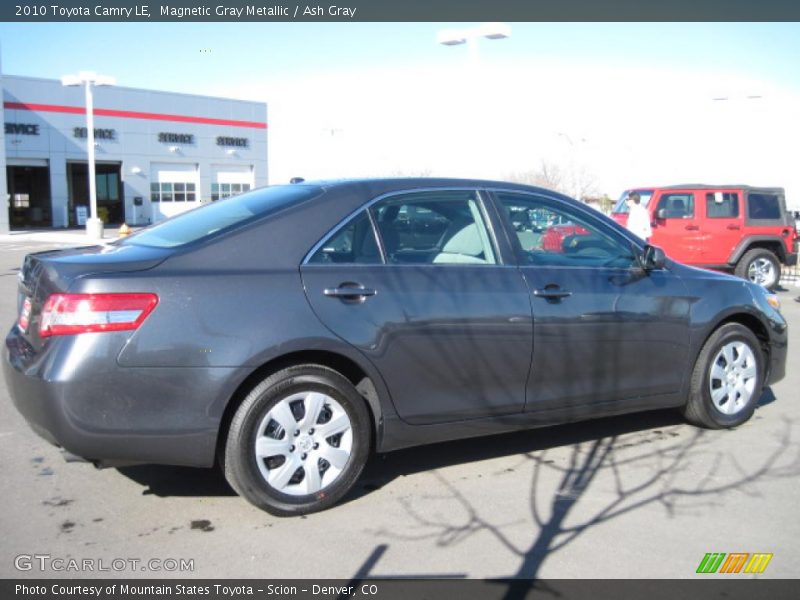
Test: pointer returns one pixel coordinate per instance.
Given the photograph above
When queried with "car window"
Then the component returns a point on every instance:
(554, 236)
(353, 243)
(722, 205)
(221, 216)
(439, 227)
(763, 206)
(676, 206)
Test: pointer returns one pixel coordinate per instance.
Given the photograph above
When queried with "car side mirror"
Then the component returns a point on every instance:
(653, 258)
(661, 213)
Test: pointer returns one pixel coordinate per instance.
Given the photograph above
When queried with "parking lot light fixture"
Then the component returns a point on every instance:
(471, 35)
(89, 79)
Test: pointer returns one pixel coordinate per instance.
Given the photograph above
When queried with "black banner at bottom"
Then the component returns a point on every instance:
(729, 588)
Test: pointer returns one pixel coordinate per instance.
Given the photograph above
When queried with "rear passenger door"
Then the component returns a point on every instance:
(676, 226)
(418, 284)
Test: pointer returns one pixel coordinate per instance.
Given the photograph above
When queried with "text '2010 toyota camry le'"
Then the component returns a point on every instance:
(293, 330)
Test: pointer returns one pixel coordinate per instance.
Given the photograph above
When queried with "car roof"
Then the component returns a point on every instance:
(706, 186)
(388, 184)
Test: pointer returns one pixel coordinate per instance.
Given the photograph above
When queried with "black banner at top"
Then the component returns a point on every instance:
(397, 10)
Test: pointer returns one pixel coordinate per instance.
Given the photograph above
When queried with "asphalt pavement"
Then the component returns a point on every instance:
(640, 496)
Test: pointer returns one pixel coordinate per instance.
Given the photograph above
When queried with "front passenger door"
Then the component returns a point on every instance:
(605, 332)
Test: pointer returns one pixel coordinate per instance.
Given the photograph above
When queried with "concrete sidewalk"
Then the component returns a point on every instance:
(74, 237)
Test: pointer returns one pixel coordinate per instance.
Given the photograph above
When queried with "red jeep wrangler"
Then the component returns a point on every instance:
(736, 228)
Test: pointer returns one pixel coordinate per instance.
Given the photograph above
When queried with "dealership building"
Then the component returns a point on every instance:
(157, 153)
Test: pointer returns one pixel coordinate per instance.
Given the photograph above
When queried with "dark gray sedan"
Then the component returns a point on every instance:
(291, 331)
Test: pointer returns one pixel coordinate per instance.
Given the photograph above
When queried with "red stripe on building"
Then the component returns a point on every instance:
(129, 114)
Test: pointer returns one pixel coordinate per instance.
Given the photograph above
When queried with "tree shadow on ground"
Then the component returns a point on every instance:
(676, 467)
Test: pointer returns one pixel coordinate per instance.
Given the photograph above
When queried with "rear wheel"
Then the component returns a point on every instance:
(727, 379)
(760, 266)
(298, 442)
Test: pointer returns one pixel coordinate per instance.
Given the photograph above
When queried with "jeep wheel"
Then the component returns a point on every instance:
(760, 266)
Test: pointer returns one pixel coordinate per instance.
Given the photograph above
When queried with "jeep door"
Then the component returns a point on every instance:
(677, 226)
(722, 225)
(605, 332)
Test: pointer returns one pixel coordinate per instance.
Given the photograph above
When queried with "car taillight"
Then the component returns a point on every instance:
(66, 314)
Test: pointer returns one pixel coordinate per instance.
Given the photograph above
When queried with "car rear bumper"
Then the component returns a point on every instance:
(791, 259)
(109, 414)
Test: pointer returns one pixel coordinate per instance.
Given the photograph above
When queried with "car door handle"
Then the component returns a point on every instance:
(349, 292)
(693, 227)
(552, 293)
(734, 226)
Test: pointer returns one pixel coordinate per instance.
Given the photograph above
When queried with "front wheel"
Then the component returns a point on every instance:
(760, 266)
(727, 379)
(298, 442)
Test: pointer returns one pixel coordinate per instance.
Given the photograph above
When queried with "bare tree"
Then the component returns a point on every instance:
(571, 179)
(422, 172)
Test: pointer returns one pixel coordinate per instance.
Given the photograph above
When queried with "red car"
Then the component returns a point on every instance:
(556, 237)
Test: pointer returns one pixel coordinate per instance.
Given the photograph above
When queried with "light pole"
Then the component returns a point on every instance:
(89, 79)
(471, 35)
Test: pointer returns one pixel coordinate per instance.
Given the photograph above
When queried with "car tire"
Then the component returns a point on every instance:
(727, 379)
(298, 441)
(760, 266)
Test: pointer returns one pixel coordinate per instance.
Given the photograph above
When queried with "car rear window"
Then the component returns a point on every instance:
(222, 215)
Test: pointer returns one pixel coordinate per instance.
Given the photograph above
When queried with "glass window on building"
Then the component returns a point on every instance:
(174, 184)
(173, 191)
(226, 190)
(230, 180)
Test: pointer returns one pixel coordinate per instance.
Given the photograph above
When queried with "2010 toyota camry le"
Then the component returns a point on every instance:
(289, 332)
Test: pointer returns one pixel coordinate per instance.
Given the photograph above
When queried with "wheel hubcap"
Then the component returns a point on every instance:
(303, 443)
(762, 272)
(732, 379)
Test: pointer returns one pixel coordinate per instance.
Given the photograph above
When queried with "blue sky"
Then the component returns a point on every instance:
(186, 56)
(615, 104)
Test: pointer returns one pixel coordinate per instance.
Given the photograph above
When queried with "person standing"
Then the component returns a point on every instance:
(638, 217)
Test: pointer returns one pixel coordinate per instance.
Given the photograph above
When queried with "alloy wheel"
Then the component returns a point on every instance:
(762, 272)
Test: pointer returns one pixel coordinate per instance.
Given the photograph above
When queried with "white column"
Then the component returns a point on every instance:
(90, 150)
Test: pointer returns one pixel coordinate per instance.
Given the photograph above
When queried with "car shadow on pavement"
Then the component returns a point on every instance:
(766, 398)
(382, 469)
(166, 481)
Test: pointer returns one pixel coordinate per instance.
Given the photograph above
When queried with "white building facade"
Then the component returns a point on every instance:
(157, 153)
